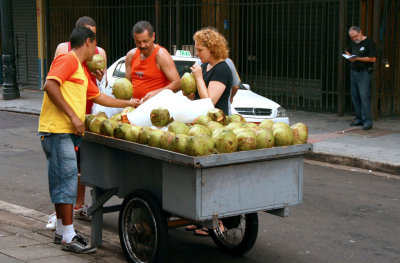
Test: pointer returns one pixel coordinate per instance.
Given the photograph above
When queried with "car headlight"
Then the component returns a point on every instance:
(281, 112)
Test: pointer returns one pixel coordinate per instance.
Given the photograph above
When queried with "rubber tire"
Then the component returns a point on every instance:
(248, 241)
(160, 222)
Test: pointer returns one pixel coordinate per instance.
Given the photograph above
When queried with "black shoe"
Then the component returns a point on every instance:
(367, 127)
(57, 238)
(356, 123)
(78, 244)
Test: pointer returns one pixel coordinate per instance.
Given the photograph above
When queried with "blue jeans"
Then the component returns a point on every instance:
(361, 96)
(61, 167)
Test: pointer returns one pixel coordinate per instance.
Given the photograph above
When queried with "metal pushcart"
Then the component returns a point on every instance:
(162, 189)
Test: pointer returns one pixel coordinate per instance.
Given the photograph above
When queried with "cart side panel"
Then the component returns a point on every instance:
(139, 172)
(107, 167)
(180, 194)
(98, 163)
(249, 187)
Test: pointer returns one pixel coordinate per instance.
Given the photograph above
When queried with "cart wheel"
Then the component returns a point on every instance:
(236, 235)
(143, 231)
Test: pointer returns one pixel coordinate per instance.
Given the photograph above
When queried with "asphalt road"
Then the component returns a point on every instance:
(346, 216)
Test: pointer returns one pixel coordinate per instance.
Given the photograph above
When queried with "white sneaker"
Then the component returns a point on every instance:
(52, 222)
(81, 213)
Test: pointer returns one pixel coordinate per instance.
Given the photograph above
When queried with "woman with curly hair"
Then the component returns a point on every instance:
(213, 76)
(214, 80)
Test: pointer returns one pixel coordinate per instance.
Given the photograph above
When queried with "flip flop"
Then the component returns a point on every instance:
(191, 227)
(201, 232)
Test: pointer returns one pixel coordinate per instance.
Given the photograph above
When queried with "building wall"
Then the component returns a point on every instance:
(289, 51)
(25, 37)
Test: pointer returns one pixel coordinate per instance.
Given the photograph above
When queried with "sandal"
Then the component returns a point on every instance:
(201, 232)
(191, 227)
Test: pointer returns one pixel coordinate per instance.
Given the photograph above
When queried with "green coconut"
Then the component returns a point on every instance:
(249, 125)
(144, 135)
(213, 125)
(132, 134)
(199, 145)
(120, 130)
(96, 63)
(166, 140)
(217, 115)
(107, 127)
(178, 127)
(283, 135)
(122, 89)
(300, 133)
(236, 118)
(202, 119)
(266, 124)
(225, 141)
(88, 119)
(247, 140)
(179, 143)
(160, 117)
(198, 129)
(265, 138)
(188, 83)
(116, 117)
(155, 138)
(94, 125)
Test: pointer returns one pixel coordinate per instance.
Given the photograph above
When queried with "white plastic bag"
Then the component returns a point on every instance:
(108, 91)
(180, 108)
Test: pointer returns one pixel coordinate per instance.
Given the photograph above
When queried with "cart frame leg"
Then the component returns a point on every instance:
(99, 197)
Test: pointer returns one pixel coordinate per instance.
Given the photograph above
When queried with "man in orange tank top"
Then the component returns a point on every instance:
(149, 66)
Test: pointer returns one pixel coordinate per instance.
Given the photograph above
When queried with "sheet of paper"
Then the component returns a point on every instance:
(348, 56)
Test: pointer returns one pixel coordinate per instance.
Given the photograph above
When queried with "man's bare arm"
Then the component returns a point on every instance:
(234, 91)
(108, 101)
(366, 59)
(52, 89)
(128, 63)
(62, 48)
(167, 66)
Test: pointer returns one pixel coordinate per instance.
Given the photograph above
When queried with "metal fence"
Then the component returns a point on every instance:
(287, 50)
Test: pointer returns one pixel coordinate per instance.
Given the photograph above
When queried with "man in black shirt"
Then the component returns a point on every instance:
(364, 50)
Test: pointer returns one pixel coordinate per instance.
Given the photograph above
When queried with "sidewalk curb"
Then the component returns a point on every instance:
(41, 218)
(20, 111)
(353, 162)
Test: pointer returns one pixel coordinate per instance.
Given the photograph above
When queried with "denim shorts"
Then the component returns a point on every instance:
(61, 167)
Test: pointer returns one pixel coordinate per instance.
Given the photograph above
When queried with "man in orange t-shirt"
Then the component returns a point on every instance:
(149, 66)
(80, 209)
(65, 47)
(61, 124)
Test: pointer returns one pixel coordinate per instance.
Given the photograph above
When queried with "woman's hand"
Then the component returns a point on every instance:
(189, 96)
(197, 71)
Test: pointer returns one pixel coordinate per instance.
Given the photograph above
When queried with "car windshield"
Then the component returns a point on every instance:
(181, 65)
(241, 86)
(119, 71)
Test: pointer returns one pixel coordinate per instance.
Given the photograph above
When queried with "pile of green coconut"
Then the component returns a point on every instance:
(214, 133)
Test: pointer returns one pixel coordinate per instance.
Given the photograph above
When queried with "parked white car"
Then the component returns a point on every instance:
(253, 107)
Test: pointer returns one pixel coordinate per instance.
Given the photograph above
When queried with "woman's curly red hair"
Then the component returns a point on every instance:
(214, 41)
